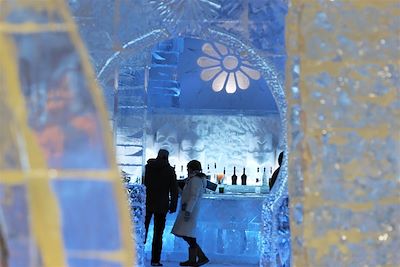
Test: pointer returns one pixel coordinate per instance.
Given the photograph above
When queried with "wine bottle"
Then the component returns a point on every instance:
(244, 177)
(208, 174)
(182, 175)
(265, 178)
(258, 176)
(215, 173)
(234, 177)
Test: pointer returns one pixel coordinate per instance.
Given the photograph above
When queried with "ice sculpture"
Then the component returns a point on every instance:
(60, 190)
(228, 140)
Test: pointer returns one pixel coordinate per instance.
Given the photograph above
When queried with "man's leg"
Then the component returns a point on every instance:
(147, 220)
(159, 225)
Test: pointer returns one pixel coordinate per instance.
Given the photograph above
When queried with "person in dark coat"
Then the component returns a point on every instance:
(276, 172)
(161, 197)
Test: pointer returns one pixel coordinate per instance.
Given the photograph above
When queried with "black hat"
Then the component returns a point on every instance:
(194, 165)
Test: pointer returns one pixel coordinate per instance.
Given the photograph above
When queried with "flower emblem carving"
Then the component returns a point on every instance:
(225, 68)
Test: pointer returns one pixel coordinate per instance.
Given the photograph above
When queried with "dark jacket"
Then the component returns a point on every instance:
(160, 182)
(273, 178)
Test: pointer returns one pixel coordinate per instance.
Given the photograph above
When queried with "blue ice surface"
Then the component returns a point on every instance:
(90, 220)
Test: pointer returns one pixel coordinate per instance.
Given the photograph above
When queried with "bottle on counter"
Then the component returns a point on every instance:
(244, 177)
(234, 176)
(258, 178)
(215, 180)
(208, 174)
(182, 175)
(265, 180)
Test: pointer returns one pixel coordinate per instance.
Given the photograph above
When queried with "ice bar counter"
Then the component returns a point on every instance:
(228, 229)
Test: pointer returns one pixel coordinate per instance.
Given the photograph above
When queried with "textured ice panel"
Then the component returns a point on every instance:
(163, 88)
(57, 119)
(63, 114)
(80, 201)
(131, 19)
(131, 87)
(9, 158)
(343, 81)
(131, 77)
(129, 139)
(227, 140)
(333, 39)
(17, 14)
(184, 16)
(95, 29)
(267, 25)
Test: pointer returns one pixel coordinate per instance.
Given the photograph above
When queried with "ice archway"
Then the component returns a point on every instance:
(142, 44)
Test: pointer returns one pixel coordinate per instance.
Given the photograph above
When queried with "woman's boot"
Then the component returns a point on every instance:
(192, 258)
(202, 257)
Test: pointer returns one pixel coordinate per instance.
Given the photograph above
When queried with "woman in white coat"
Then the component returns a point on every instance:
(185, 224)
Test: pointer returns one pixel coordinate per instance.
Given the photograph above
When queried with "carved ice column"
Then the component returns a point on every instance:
(343, 85)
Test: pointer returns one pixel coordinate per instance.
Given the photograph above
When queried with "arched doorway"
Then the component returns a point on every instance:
(136, 57)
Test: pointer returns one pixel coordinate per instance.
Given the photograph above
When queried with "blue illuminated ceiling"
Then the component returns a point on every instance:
(175, 79)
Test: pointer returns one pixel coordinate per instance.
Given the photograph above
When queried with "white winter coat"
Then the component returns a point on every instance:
(191, 196)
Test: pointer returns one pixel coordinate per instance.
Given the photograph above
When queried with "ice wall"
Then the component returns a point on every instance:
(343, 90)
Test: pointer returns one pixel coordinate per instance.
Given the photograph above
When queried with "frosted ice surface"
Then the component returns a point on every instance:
(240, 141)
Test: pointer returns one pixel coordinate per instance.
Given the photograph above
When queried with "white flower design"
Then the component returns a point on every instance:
(228, 70)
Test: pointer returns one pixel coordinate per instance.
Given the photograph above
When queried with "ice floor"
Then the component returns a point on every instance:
(232, 236)
(210, 264)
